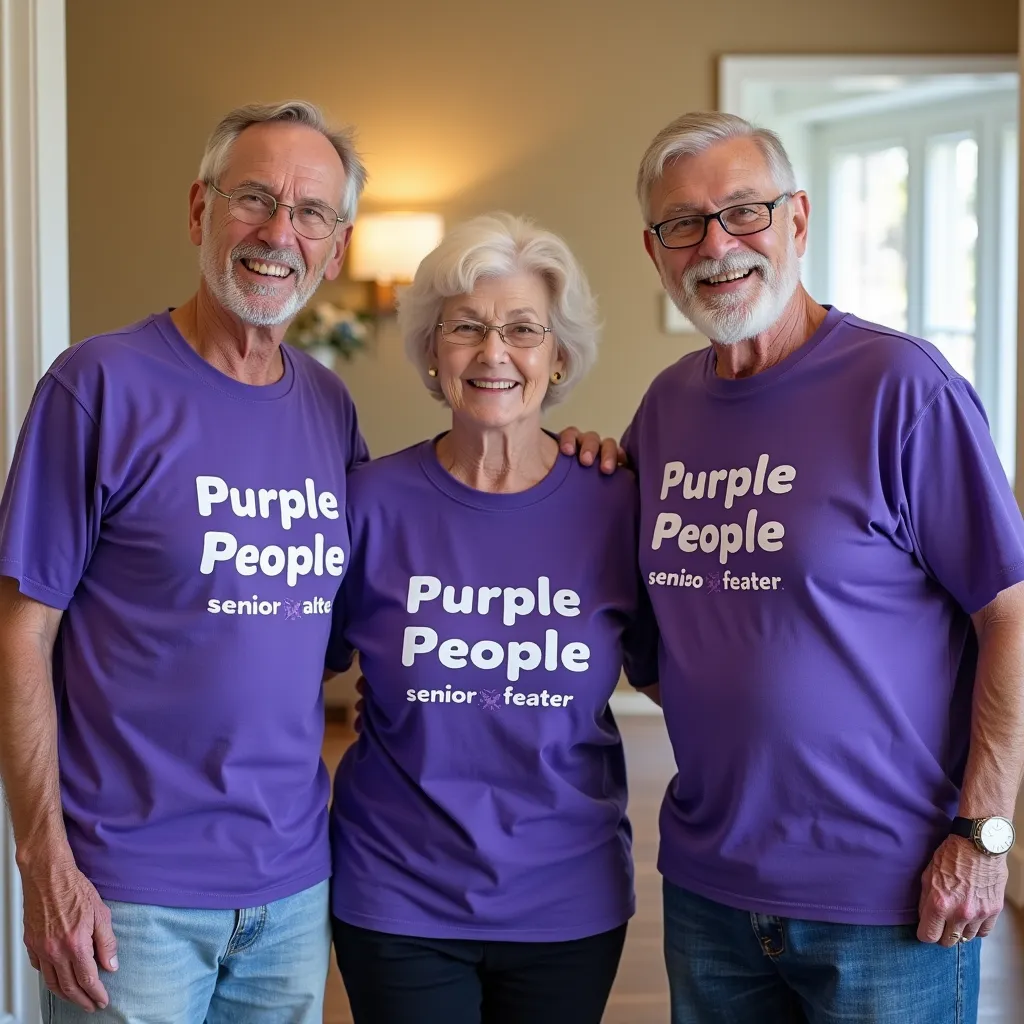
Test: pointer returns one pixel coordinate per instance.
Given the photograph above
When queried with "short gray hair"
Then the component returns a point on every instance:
(497, 245)
(697, 132)
(218, 147)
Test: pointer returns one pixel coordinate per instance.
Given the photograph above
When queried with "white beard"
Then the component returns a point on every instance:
(730, 319)
(244, 300)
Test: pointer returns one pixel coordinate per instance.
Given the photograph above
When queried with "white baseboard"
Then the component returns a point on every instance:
(1015, 885)
(629, 702)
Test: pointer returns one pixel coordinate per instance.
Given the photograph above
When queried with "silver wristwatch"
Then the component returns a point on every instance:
(994, 835)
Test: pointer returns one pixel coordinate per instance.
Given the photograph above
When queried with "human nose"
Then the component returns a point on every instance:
(717, 241)
(278, 232)
(492, 348)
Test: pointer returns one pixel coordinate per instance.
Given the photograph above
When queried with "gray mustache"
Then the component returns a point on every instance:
(290, 258)
(730, 265)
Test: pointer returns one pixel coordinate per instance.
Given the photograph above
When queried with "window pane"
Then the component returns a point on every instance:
(868, 236)
(951, 182)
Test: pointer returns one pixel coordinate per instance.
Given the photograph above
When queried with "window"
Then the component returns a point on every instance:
(867, 244)
(950, 249)
(917, 230)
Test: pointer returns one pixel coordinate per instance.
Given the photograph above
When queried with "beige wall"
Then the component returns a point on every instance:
(537, 106)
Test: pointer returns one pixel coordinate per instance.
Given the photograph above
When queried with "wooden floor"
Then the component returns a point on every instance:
(640, 995)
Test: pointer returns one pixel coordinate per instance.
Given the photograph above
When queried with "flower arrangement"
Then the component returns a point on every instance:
(326, 331)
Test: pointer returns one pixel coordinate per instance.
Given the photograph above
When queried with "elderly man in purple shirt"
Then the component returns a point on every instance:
(835, 559)
(172, 536)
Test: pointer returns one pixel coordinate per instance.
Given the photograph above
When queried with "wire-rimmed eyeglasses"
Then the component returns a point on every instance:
(471, 332)
(254, 206)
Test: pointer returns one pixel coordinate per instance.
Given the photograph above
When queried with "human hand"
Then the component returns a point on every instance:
(68, 932)
(962, 893)
(590, 447)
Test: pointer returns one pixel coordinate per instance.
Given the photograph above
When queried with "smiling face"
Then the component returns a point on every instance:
(488, 383)
(264, 274)
(731, 288)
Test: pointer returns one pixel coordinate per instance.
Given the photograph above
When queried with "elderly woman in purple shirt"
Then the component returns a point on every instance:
(482, 864)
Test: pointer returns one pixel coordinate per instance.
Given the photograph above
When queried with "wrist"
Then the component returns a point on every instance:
(44, 854)
(993, 801)
(985, 809)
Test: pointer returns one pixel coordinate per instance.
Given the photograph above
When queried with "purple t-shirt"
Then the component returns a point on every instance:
(814, 539)
(486, 795)
(192, 529)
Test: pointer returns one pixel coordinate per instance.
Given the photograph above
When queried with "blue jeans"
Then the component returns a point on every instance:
(726, 966)
(264, 965)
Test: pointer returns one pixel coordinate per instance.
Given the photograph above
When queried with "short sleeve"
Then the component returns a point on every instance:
(51, 509)
(641, 643)
(641, 640)
(339, 651)
(358, 452)
(964, 522)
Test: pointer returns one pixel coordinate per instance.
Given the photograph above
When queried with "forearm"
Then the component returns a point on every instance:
(28, 726)
(996, 760)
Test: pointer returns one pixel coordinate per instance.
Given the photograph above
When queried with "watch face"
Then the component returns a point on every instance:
(996, 835)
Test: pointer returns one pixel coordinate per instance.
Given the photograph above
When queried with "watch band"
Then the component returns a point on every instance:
(963, 827)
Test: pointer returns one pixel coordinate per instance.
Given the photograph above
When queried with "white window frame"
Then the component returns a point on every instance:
(987, 119)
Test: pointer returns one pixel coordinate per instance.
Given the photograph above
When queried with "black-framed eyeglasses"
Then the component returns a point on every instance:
(471, 332)
(692, 229)
(254, 206)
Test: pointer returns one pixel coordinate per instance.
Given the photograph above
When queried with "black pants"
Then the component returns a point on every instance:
(398, 979)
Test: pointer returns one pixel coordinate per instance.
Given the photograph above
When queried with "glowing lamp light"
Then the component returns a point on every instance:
(387, 249)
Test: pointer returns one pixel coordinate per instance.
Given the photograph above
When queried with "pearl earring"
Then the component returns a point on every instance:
(432, 372)
(556, 377)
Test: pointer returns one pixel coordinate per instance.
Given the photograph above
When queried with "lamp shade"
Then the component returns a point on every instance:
(388, 247)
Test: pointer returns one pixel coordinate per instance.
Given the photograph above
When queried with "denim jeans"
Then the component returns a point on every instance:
(727, 966)
(264, 965)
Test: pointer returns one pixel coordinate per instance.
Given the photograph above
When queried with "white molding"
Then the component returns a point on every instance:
(34, 280)
(734, 70)
(34, 321)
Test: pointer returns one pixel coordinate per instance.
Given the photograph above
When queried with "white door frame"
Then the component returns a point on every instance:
(34, 321)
